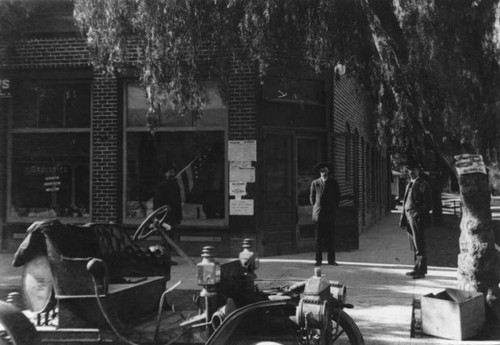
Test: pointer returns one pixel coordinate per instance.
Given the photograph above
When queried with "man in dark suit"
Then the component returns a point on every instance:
(325, 198)
(417, 203)
(168, 193)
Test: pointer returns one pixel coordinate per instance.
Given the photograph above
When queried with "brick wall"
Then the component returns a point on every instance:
(365, 181)
(106, 172)
(242, 101)
(59, 52)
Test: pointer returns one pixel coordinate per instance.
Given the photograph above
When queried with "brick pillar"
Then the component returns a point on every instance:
(242, 112)
(105, 164)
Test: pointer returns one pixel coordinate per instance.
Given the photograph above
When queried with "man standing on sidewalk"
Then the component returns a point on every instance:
(325, 197)
(417, 203)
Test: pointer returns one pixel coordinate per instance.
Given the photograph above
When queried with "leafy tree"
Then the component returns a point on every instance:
(431, 66)
(449, 101)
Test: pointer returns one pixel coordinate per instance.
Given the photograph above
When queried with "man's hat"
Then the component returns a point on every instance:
(322, 165)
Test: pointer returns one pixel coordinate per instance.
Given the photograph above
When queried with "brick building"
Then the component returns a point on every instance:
(74, 146)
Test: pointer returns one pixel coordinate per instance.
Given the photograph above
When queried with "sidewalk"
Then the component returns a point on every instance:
(377, 286)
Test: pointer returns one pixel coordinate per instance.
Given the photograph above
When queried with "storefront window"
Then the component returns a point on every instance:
(49, 169)
(195, 148)
(51, 105)
(293, 102)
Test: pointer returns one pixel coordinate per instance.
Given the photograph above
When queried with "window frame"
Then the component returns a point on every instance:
(212, 223)
(12, 131)
(299, 105)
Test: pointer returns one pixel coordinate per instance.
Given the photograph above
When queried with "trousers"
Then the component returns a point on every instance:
(325, 240)
(416, 223)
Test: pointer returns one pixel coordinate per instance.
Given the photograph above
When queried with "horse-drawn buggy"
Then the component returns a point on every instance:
(94, 284)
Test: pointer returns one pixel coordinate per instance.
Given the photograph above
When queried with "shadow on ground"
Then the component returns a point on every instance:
(443, 242)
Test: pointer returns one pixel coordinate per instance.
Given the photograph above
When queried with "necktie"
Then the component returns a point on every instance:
(410, 185)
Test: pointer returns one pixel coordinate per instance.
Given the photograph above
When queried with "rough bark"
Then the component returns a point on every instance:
(478, 266)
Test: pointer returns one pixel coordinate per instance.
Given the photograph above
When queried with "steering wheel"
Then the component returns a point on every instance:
(154, 222)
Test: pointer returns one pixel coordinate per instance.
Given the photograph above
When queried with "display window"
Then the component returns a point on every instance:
(196, 150)
(49, 151)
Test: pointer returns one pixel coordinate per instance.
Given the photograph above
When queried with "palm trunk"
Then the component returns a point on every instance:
(478, 266)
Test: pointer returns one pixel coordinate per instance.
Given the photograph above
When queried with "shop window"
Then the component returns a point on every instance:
(294, 102)
(195, 147)
(49, 147)
(212, 114)
(52, 105)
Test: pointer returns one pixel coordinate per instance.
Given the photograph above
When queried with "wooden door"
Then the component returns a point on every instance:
(278, 206)
(289, 157)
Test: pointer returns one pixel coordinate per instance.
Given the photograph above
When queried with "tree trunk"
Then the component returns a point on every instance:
(478, 267)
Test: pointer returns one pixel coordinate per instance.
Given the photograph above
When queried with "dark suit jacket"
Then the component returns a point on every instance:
(168, 193)
(325, 198)
(418, 201)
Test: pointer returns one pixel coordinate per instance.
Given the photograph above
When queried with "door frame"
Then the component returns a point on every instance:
(304, 243)
(300, 243)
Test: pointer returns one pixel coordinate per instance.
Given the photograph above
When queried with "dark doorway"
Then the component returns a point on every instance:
(288, 158)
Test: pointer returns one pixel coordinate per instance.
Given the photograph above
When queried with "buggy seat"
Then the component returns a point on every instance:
(69, 248)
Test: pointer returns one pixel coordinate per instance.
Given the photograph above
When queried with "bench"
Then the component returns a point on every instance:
(454, 205)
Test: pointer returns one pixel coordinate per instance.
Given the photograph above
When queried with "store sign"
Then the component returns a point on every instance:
(5, 88)
(52, 183)
(45, 170)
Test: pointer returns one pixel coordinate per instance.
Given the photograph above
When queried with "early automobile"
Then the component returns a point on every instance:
(93, 284)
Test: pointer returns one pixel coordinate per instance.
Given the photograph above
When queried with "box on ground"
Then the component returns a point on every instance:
(453, 314)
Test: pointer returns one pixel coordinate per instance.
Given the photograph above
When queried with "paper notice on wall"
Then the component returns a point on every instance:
(241, 207)
(469, 164)
(241, 171)
(237, 189)
(242, 150)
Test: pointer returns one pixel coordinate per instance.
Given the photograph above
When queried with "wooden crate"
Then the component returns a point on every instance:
(453, 314)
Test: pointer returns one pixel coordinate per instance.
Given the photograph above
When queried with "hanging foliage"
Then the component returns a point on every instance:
(173, 37)
(430, 66)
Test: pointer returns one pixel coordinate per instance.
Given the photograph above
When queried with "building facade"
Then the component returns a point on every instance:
(74, 146)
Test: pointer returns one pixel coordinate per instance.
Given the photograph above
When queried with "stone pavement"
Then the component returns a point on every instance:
(377, 286)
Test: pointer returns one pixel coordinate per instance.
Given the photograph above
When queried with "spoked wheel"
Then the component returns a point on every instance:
(153, 223)
(346, 332)
(15, 328)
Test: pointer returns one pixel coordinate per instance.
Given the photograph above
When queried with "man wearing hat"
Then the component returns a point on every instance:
(417, 203)
(325, 198)
(168, 193)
